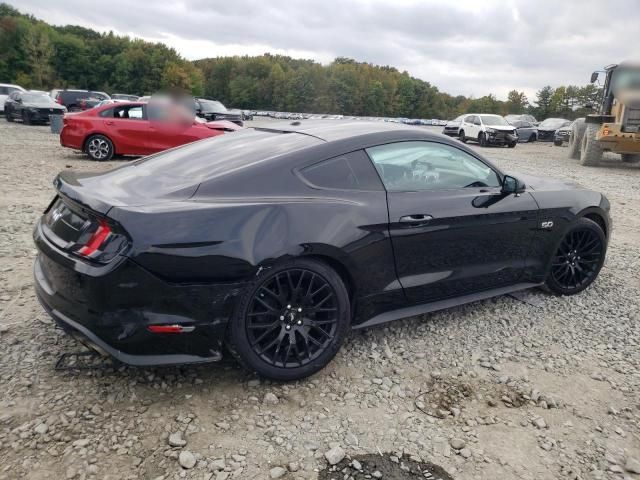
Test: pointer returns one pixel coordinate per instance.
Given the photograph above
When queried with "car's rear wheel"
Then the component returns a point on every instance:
(512, 145)
(291, 320)
(578, 259)
(26, 119)
(461, 137)
(99, 148)
(533, 137)
(557, 143)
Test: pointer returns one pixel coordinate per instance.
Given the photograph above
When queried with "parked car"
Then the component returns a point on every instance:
(487, 129)
(563, 133)
(124, 97)
(5, 90)
(31, 107)
(527, 131)
(164, 260)
(78, 100)
(214, 110)
(547, 128)
(523, 117)
(452, 128)
(125, 129)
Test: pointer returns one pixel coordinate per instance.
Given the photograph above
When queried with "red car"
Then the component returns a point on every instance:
(125, 129)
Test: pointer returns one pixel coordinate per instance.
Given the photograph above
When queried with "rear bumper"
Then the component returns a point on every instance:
(111, 307)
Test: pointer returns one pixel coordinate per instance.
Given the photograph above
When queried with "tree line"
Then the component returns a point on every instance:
(37, 55)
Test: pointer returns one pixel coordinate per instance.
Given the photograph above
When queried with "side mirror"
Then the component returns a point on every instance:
(512, 185)
(594, 77)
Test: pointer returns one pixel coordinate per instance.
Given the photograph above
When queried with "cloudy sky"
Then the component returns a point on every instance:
(469, 47)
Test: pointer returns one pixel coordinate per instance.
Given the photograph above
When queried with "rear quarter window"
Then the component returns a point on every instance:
(352, 171)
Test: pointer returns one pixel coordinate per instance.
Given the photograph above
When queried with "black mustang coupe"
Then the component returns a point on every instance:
(276, 241)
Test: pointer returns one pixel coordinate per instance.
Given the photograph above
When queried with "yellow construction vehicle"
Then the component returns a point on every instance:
(616, 126)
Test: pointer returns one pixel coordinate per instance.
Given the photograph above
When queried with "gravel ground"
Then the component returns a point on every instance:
(527, 387)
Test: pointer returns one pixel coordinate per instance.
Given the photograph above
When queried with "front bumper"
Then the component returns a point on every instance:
(111, 307)
(501, 138)
(546, 135)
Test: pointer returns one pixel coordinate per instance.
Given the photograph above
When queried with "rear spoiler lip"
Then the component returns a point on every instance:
(68, 186)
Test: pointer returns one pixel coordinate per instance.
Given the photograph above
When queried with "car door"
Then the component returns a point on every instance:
(468, 126)
(128, 128)
(453, 231)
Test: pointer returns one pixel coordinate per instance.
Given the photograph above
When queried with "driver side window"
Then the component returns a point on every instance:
(416, 166)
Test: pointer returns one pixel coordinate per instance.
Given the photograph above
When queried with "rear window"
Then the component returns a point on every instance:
(352, 171)
(214, 157)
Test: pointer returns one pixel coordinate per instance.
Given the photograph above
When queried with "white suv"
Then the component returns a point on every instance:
(5, 90)
(488, 129)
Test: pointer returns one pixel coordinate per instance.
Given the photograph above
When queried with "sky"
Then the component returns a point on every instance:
(463, 47)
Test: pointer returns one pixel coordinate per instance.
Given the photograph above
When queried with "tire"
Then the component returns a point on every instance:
(461, 137)
(8, 116)
(630, 157)
(557, 143)
(590, 150)
(533, 138)
(512, 145)
(272, 310)
(575, 138)
(482, 139)
(578, 258)
(26, 119)
(99, 148)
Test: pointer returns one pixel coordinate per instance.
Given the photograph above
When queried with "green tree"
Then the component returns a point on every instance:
(543, 102)
(517, 102)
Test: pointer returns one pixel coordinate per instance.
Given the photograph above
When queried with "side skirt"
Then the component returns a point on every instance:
(442, 304)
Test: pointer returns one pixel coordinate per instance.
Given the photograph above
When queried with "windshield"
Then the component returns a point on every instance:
(37, 98)
(554, 123)
(626, 78)
(212, 106)
(493, 120)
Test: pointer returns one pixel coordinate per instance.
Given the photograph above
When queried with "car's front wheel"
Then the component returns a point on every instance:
(8, 116)
(578, 259)
(291, 320)
(99, 148)
(461, 137)
(26, 119)
(482, 140)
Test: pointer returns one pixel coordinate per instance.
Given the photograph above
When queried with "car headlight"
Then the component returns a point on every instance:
(491, 130)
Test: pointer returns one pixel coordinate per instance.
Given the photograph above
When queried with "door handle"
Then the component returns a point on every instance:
(416, 219)
(109, 122)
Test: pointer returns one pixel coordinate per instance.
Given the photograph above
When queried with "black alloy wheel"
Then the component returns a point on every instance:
(26, 119)
(292, 321)
(578, 259)
(482, 139)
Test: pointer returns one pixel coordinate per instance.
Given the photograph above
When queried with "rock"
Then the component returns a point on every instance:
(218, 464)
(376, 474)
(187, 459)
(83, 442)
(270, 399)
(335, 455)
(222, 475)
(294, 466)
(277, 472)
(465, 453)
(457, 443)
(632, 465)
(41, 429)
(356, 464)
(253, 383)
(540, 423)
(176, 440)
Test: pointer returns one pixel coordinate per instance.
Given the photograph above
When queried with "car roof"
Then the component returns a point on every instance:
(10, 85)
(332, 130)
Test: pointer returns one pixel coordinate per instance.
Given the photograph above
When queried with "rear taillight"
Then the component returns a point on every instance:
(96, 240)
(101, 242)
